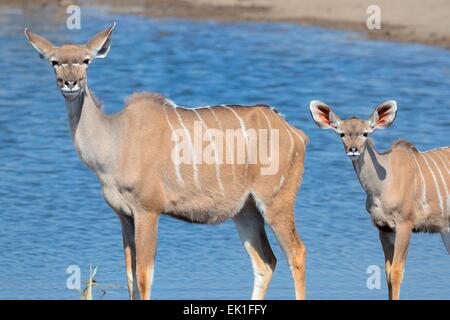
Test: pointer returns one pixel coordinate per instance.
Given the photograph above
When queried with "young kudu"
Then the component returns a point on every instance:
(132, 154)
(407, 190)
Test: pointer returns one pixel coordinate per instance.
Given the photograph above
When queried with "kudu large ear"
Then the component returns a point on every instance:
(99, 45)
(384, 115)
(323, 115)
(42, 45)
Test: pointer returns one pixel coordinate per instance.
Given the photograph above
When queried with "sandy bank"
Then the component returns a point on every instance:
(401, 20)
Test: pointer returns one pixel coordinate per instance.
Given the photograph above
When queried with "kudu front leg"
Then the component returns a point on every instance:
(146, 229)
(129, 246)
(387, 242)
(402, 238)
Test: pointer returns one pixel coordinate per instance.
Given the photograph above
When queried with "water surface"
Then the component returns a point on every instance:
(53, 214)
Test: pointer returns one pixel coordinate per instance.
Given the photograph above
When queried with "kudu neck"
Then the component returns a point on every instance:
(371, 169)
(91, 130)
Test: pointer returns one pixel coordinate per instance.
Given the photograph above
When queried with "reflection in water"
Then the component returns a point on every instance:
(53, 214)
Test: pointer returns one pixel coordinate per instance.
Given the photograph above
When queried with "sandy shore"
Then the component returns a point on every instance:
(401, 20)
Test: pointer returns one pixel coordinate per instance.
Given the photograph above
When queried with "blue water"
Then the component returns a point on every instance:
(52, 212)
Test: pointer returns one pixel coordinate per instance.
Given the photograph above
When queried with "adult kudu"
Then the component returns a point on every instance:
(132, 153)
(407, 190)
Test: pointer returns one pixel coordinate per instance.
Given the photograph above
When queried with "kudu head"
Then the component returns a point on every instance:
(70, 62)
(353, 131)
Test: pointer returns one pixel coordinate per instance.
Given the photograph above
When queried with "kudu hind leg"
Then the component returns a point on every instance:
(129, 246)
(250, 226)
(282, 222)
(402, 238)
(146, 229)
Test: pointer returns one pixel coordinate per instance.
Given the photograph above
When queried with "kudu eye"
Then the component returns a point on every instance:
(54, 63)
(86, 61)
(365, 134)
(342, 135)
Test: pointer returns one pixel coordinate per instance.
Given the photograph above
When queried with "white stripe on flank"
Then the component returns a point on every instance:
(291, 147)
(216, 118)
(215, 150)
(443, 181)
(227, 145)
(436, 185)
(194, 157)
(244, 133)
(270, 132)
(416, 187)
(297, 134)
(288, 126)
(424, 184)
(267, 119)
(277, 188)
(444, 161)
(176, 164)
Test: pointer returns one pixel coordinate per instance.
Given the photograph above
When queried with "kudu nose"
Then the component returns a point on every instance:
(70, 83)
(353, 149)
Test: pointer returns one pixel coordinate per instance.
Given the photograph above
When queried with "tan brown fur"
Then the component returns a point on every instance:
(131, 153)
(407, 190)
